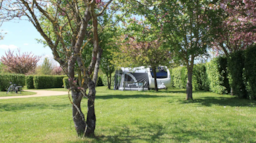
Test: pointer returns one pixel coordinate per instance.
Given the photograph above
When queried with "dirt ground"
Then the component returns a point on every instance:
(39, 93)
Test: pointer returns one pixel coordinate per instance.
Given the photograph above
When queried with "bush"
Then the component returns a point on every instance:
(200, 80)
(218, 75)
(29, 82)
(179, 76)
(42, 82)
(236, 68)
(5, 79)
(250, 71)
(100, 82)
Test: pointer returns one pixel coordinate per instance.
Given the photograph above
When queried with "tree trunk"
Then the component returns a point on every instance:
(189, 83)
(78, 116)
(154, 71)
(91, 118)
(108, 81)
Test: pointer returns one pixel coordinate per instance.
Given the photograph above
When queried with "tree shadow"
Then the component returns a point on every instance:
(128, 96)
(221, 101)
(174, 132)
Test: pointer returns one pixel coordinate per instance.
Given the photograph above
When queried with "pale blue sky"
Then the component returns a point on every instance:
(21, 35)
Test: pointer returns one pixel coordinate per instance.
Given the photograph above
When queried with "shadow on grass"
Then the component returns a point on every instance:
(128, 96)
(222, 101)
(174, 132)
(30, 106)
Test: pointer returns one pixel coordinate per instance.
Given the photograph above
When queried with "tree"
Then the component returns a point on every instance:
(19, 63)
(57, 70)
(236, 26)
(185, 26)
(46, 68)
(70, 18)
(142, 47)
(107, 68)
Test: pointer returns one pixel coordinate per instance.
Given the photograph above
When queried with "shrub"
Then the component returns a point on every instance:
(42, 82)
(179, 75)
(100, 82)
(200, 80)
(236, 68)
(218, 76)
(5, 79)
(29, 82)
(105, 81)
(250, 71)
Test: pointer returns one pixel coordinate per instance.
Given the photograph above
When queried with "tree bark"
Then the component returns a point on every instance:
(78, 116)
(108, 81)
(189, 83)
(154, 71)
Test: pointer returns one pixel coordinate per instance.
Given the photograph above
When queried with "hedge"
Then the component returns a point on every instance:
(236, 70)
(250, 71)
(217, 74)
(66, 82)
(47, 81)
(5, 80)
(29, 82)
(179, 75)
(200, 80)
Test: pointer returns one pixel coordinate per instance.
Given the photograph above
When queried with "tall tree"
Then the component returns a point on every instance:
(142, 46)
(185, 26)
(46, 68)
(236, 26)
(68, 18)
(19, 63)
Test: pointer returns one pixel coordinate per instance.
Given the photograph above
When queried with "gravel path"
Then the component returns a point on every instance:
(39, 93)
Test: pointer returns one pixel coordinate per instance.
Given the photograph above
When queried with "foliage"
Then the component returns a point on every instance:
(65, 82)
(250, 68)
(46, 67)
(200, 78)
(5, 80)
(236, 70)
(100, 82)
(29, 82)
(216, 70)
(44, 81)
(236, 27)
(179, 75)
(19, 63)
(57, 70)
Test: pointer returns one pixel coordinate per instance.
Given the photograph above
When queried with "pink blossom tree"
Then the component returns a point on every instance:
(19, 63)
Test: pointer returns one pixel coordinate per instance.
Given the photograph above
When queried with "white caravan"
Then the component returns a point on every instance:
(141, 78)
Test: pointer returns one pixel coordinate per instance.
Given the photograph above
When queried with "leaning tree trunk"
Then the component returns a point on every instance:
(154, 71)
(189, 83)
(91, 117)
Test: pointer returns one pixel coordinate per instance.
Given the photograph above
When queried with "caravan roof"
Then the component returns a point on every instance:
(140, 69)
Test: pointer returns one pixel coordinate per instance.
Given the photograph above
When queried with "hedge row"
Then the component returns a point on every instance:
(47, 81)
(66, 82)
(5, 80)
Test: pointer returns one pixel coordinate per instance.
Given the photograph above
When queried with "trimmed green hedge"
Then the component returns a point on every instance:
(200, 80)
(179, 76)
(29, 82)
(47, 81)
(217, 73)
(5, 80)
(236, 70)
(250, 71)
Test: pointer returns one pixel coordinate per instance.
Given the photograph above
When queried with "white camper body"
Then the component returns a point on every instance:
(141, 78)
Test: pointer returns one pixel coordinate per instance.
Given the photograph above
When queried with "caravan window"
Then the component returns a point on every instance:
(161, 72)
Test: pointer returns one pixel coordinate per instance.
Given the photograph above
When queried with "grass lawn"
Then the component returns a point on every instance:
(3, 93)
(132, 116)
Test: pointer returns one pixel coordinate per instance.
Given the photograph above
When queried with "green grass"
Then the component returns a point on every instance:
(132, 117)
(3, 93)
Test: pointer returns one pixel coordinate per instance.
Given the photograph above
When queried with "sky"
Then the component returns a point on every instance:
(22, 35)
